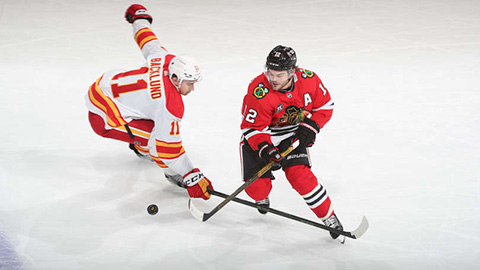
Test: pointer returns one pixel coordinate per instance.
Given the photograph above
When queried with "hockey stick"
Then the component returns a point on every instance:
(355, 234)
(205, 216)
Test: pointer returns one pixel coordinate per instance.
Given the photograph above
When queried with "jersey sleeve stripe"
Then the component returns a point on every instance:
(250, 132)
(171, 150)
(143, 36)
(171, 156)
(328, 106)
(104, 103)
(167, 144)
(159, 162)
(168, 150)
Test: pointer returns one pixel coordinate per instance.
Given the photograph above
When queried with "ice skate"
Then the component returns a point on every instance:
(262, 204)
(333, 222)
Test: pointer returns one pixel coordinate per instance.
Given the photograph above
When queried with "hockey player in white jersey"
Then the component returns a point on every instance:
(144, 106)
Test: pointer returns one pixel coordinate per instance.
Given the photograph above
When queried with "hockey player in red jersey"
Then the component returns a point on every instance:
(283, 104)
(144, 106)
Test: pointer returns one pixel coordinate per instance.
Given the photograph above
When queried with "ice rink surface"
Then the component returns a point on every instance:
(403, 146)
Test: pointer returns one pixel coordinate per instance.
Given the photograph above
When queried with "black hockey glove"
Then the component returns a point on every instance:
(268, 153)
(307, 131)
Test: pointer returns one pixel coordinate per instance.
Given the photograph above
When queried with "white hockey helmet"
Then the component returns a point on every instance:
(184, 68)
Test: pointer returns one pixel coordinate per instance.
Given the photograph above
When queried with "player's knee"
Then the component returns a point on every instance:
(301, 178)
(259, 189)
(97, 124)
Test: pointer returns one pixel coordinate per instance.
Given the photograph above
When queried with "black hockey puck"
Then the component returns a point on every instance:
(152, 209)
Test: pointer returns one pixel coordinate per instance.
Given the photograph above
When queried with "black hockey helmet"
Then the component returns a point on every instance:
(281, 58)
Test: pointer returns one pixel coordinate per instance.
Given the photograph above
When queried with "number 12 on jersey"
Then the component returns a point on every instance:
(250, 117)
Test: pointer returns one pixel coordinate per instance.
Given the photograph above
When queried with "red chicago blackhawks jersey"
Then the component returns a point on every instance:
(273, 116)
(120, 96)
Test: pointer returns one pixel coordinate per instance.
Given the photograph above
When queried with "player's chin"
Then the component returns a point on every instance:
(185, 93)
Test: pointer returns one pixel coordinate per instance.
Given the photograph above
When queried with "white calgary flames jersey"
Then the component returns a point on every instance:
(120, 96)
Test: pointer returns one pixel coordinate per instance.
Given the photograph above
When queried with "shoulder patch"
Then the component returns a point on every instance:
(260, 91)
(307, 73)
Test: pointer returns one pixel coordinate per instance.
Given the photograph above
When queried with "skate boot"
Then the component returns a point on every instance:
(333, 222)
(138, 153)
(262, 204)
(176, 180)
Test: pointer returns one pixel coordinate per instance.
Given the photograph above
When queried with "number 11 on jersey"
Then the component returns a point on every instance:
(121, 87)
(175, 128)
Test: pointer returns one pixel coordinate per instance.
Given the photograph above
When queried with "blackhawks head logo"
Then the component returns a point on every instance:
(260, 91)
(307, 73)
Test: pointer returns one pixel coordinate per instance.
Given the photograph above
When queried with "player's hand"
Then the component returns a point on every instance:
(135, 12)
(197, 184)
(268, 153)
(307, 132)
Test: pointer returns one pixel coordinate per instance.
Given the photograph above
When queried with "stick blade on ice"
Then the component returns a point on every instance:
(362, 228)
(194, 211)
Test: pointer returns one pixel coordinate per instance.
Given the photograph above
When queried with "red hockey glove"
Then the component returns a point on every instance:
(135, 12)
(307, 131)
(268, 153)
(197, 184)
